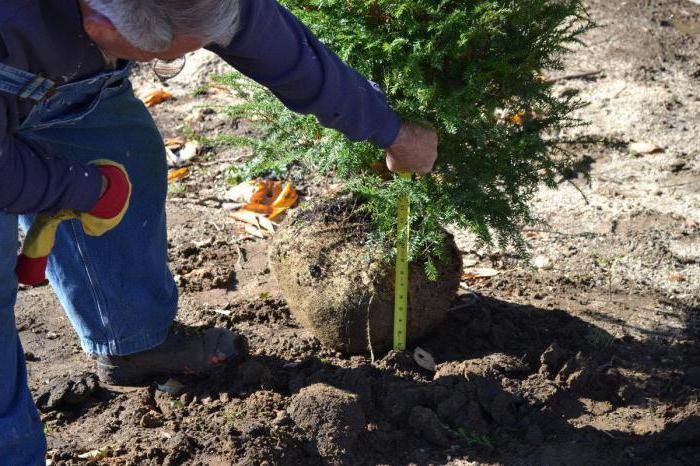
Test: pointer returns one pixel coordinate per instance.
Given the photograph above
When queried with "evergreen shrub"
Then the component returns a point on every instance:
(474, 69)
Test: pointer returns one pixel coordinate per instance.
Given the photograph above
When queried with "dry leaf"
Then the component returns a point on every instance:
(644, 148)
(180, 156)
(287, 198)
(177, 175)
(542, 263)
(266, 198)
(477, 273)
(677, 277)
(518, 119)
(154, 97)
(96, 455)
(272, 198)
(267, 225)
(258, 208)
(190, 151)
(246, 217)
(254, 231)
(175, 143)
(198, 273)
(242, 192)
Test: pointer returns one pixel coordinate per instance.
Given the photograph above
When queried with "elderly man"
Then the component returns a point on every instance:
(65, 101)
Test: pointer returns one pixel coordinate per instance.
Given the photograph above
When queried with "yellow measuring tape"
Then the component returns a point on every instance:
(403, 231)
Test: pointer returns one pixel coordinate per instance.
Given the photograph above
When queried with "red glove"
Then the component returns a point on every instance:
(106, 215)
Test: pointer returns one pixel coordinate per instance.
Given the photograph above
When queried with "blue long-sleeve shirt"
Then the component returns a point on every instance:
(270, 45)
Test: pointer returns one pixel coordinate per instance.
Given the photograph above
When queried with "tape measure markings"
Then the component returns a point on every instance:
(403, 231)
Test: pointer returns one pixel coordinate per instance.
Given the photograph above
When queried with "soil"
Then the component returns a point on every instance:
(343, 291)
(589, 357)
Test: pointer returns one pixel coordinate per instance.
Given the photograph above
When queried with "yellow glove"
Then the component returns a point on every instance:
(106, 215)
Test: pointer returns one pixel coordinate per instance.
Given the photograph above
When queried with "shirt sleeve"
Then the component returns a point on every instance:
(275, 49)
(33, 182)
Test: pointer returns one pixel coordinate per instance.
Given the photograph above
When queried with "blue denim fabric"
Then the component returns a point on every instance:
(117, 289)
(21, 434)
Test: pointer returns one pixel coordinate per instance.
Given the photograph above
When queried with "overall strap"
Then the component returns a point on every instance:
(25, 85)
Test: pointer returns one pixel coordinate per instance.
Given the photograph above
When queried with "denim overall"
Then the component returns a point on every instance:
(116, 289)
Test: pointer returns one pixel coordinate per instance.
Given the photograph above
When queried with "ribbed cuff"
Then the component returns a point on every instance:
(389, 131)
(115, 197)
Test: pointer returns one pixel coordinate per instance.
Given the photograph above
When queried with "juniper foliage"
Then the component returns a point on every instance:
(471, 68)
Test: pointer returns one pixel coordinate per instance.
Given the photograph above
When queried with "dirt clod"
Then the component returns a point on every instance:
(551, 360)
(426, 424)
(67, 392)
(343, 291)
(332, 418)
(151, 420)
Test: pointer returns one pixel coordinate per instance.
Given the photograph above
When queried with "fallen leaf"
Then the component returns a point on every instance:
(155, 96)
(96, 455)
(542, 263)
(265, 191)
(177, 175)
(477, 273)
(267, 225)
(677, 277)
(175, 143)
(277, 211)
(190, 151)
(250, 229)
(518, 119)
(246, 216)
(180, 156)
(258, 208)
(287, 198)
(198, 273)
(272, 198)
(242, 192)
(266, 198)
(644, 148)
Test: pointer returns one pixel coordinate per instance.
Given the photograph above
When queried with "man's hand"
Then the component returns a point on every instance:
(414, 151)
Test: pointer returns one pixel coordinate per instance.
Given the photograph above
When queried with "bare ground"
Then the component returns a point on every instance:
(592, 358)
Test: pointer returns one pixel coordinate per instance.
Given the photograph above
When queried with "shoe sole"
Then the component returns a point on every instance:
(125, 377)
(135, 377)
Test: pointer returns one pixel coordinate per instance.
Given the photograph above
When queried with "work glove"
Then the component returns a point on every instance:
(106, 215)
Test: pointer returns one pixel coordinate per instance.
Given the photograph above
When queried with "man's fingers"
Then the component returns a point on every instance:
(420, 167)
(414, 151)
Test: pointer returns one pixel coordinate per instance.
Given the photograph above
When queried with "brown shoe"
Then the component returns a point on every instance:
(184, 352)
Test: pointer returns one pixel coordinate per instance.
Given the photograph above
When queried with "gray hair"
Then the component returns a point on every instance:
(152, 25)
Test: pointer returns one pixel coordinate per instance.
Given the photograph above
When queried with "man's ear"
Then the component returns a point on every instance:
(94, 22)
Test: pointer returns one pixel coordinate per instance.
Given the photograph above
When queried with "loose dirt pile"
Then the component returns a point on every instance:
(342, 288)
